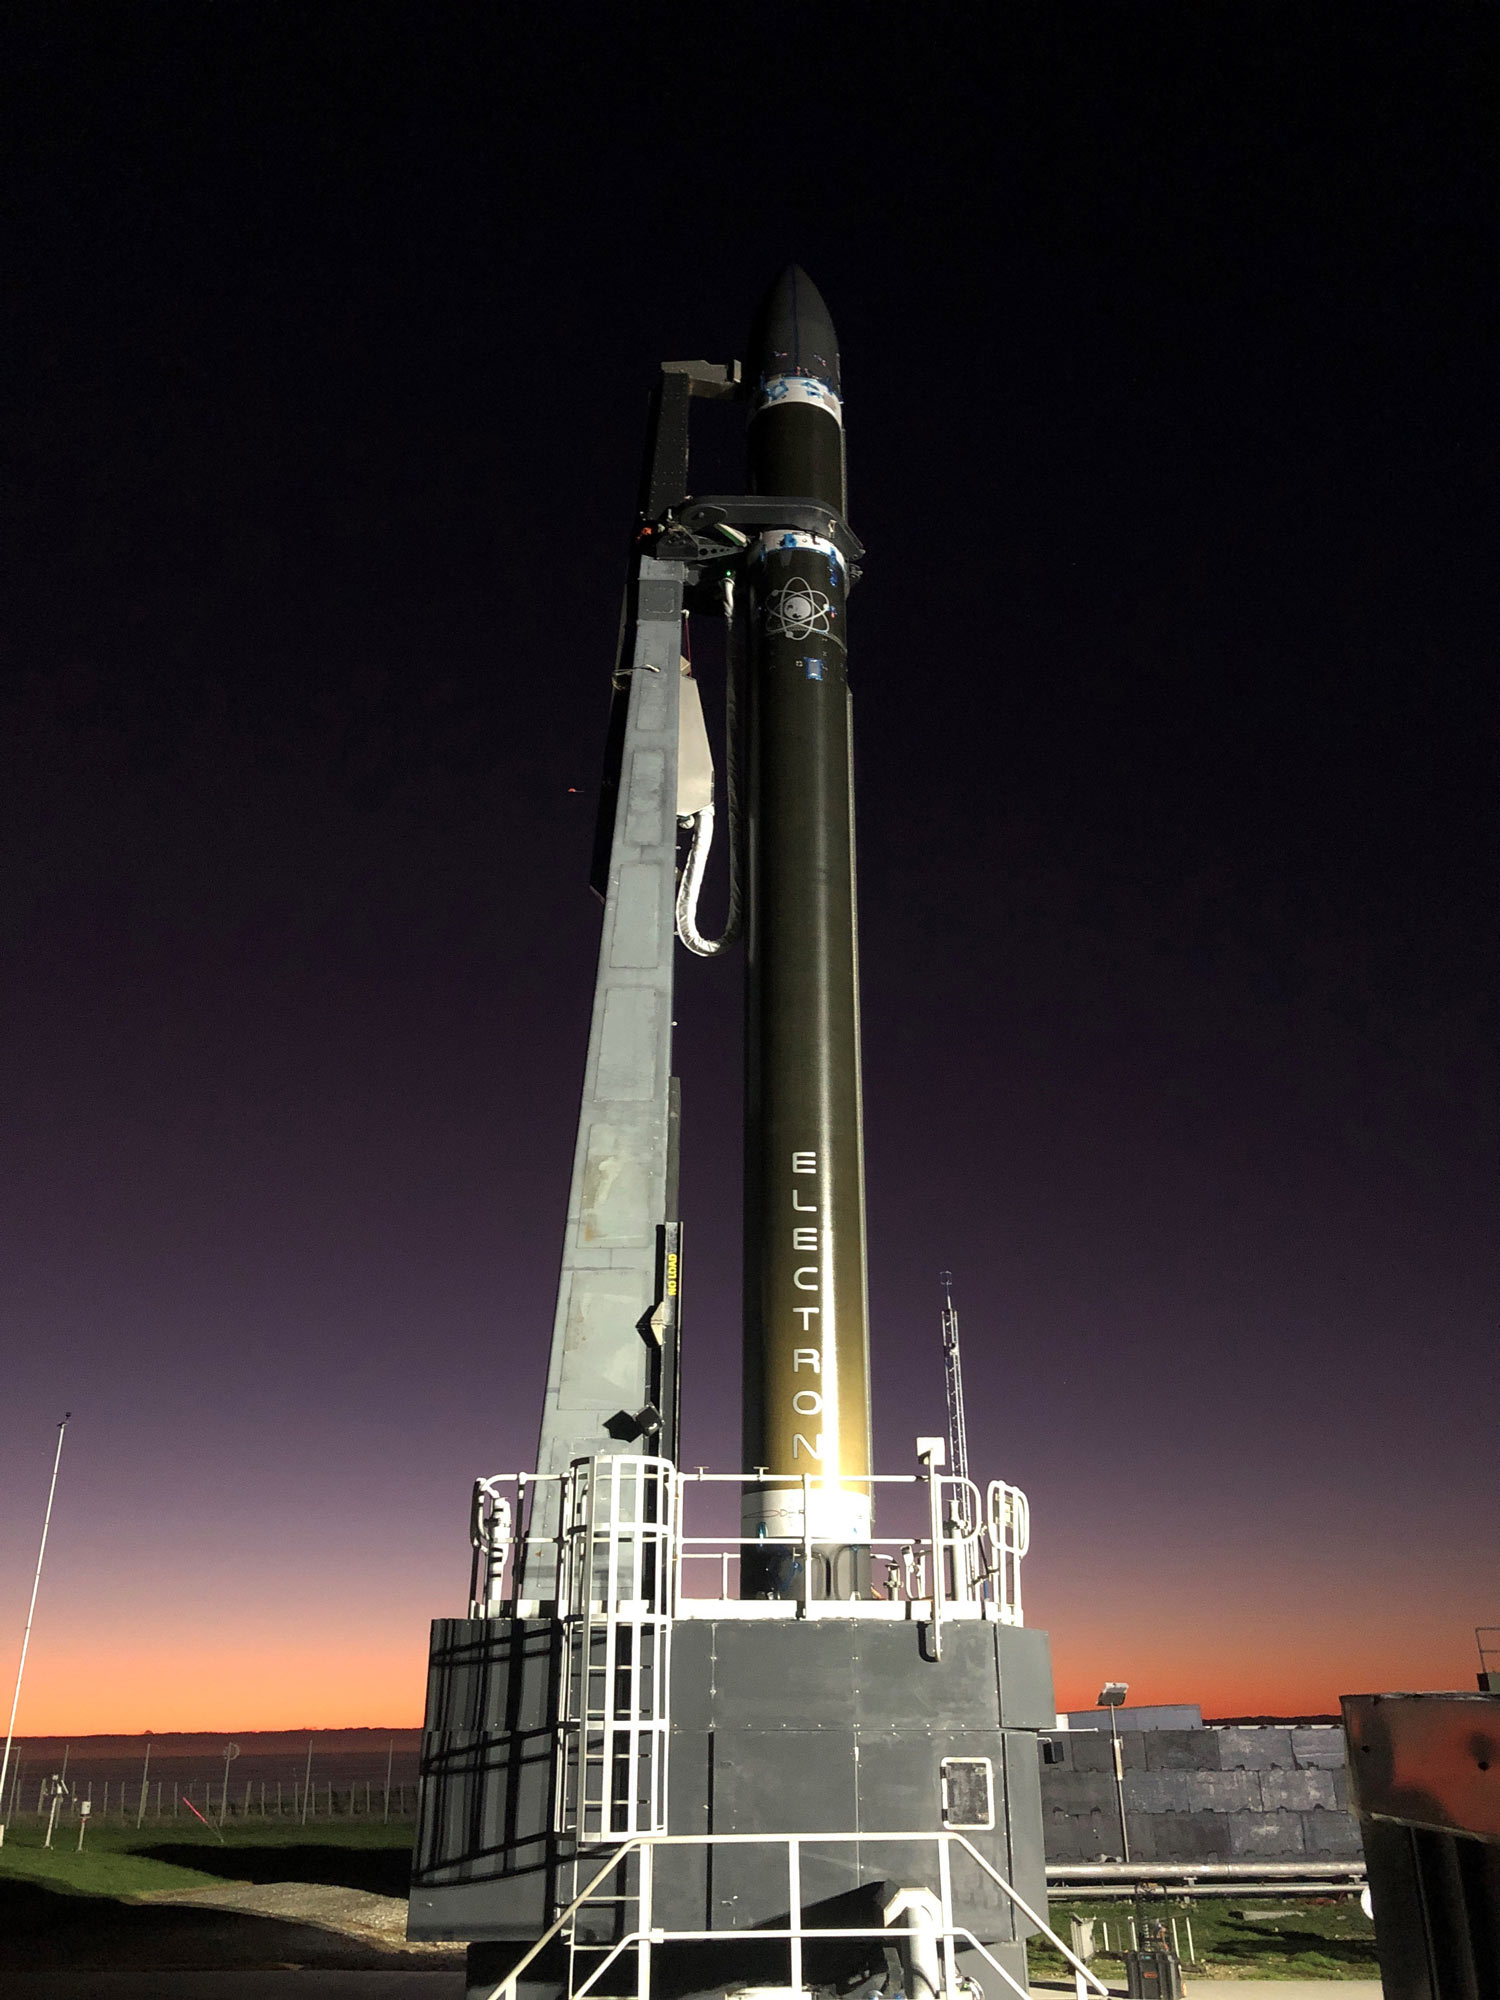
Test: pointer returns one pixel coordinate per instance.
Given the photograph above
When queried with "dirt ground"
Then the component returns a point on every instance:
(58, 1942)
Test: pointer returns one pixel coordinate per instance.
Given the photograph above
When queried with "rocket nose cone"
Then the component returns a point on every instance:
(793, 333)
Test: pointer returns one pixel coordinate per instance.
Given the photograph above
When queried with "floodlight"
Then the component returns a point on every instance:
(1112, 1694)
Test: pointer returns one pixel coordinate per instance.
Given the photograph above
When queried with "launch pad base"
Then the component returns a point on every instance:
(780, 1731)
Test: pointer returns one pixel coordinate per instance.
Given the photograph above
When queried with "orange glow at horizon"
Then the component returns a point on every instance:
(285, 1634)
(322, 1682)
(209, 1685)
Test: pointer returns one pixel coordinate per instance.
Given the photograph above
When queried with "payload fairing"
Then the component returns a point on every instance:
(802, 1757)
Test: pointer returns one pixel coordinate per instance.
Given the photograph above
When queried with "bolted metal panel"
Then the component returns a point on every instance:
(798, 1782)
(483, 1863)
(831, 1724)
(750, 1688)
(658, 599)
(822, 1725)
(1027, 1870)
(1024, 1663)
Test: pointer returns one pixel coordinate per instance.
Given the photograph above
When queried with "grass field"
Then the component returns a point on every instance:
(72, 1916)
(1284, 1938)
(124, 1861)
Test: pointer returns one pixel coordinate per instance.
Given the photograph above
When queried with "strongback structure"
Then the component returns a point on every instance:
(614, 1343)
(801, 1756)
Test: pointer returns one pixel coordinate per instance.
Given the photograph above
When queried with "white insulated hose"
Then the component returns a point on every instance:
(701, 822)
(691, 884)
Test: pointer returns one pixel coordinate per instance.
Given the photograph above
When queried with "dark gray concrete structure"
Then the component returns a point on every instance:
(1212, 1794)
(799, 1726)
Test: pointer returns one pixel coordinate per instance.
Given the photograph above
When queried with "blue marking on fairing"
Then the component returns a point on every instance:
(791, 541)
(775, 388)
(813, 669)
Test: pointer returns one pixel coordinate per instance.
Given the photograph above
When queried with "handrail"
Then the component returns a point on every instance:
(1026, 1910)
(954, 1934)
(944, 1840)
(504, 1546)
(1190, 1871)
(558, 1922)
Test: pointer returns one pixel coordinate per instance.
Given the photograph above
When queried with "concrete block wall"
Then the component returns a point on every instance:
(1202, 1795)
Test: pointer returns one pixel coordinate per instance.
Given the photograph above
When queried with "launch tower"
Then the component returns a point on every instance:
(802, 1757)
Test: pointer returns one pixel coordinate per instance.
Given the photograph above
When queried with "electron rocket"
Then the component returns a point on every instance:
(799, 1758)
(778, 561)
(806, 1362)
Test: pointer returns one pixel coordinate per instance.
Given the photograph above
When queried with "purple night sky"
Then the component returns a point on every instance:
(1169, 356)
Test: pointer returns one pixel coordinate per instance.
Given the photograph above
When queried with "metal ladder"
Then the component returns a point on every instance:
(596, 1923)
(619, 1531)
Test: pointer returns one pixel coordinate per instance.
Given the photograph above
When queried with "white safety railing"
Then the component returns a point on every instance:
(1008, 1532)
(967, 1564)
(642, 1936)
(492, 1518)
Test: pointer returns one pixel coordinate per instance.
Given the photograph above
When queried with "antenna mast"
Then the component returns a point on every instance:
(36, 1584)
(965, 1511)
(953, 1378)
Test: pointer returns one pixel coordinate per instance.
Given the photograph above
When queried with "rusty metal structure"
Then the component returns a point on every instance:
(1425, 1775)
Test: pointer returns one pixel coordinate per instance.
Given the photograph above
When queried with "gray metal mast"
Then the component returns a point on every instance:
(612, 1374)
(953, 1378)
(600, 1382)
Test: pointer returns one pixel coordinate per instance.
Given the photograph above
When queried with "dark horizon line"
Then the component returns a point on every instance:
(161, 1735)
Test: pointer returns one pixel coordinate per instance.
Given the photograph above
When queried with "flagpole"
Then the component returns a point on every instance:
(36, 1584)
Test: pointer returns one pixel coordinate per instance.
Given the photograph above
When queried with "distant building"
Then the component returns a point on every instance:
(1176, 1715)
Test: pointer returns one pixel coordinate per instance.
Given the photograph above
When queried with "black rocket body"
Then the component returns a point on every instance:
(806, 1345)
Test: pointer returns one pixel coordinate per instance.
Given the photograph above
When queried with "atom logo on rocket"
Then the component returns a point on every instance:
(797, 610)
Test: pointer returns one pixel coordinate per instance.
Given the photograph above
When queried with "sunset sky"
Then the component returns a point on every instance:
(1168, 342)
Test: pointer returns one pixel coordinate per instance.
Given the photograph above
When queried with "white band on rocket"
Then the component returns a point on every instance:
(777, 541)
(799, 389)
